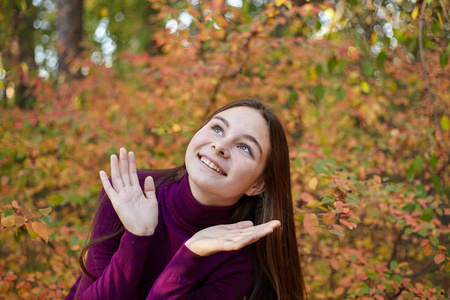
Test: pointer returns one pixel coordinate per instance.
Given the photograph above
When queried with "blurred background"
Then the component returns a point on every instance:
(362, 87)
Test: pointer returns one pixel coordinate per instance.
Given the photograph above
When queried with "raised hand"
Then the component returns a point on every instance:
(138, 212)
(228, 237)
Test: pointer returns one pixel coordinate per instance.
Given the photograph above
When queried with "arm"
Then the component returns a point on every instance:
(118, 264)
(232, 280)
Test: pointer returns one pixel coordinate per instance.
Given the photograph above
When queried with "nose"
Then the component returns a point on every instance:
(221, 149)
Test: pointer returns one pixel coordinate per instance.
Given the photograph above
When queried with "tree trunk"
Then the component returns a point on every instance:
(70, 32)
(21, 54)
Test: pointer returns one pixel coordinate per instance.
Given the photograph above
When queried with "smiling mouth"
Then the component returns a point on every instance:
(211, 165)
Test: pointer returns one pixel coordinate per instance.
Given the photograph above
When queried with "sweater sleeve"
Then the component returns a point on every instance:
(117, 262)
(232, 280)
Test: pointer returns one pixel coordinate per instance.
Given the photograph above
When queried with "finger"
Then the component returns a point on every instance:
(251, 229)
(107, 185)
(115, 174)
(123, 164)
(132, 169)
(243, 241)
(149, 187)
(239, 225)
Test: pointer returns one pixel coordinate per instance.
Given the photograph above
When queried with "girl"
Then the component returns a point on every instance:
(192, 235)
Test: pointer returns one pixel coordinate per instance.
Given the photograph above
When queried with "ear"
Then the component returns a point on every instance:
(257, 188)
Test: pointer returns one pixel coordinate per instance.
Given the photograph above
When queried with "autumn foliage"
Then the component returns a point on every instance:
(369, 141)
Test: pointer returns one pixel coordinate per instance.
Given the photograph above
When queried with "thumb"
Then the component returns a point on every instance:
(149, 187)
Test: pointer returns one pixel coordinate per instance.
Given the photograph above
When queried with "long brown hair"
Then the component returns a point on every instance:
(277, 263)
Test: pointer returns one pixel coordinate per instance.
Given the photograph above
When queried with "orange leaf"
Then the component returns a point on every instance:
(377, 179)
(18, 221)
(328, 219)
(310, 221)
(15, 204)
(4, 287)
(312, 184)
(427, 249)
(8, 221)
(335, 263)
(42, 230)
(439, 258)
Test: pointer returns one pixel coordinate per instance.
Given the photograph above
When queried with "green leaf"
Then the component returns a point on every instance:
(57, 200)
(434, 241)
(427, 215)
(293, 97)
(381, 58)
(408, 231)
(319, 91)
(408, 295)
(365, 289)
(445, 124)
(341, 93)
(422, 232)
(409, 207)
(397, 278)
(443, 59)
(327, 199)
(388, 287)
(433, 161)
(436, 182)
(393, 265)
(368, 69)
(332, 62)
(8, 212)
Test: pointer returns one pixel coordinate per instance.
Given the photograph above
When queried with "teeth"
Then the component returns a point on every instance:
(211, 165)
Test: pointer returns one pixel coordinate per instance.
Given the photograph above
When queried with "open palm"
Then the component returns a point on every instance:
(137, 209)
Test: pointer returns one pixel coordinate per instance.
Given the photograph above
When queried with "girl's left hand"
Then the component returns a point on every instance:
(228, 237)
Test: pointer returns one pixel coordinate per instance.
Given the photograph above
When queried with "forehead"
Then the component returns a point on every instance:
(248, 121)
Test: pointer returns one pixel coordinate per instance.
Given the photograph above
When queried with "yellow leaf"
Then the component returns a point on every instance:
(440, 20)
(415, 12)
(442, 247)
(314, 203)
(312, 184)
(8, 221)
(374, 38)
(104, 12)
(42, 230)
(221, 21)
(30, 230)
(45, 211)
(279, 2)
(365, 87)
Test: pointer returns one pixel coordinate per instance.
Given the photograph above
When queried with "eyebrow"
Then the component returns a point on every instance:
(247, 136)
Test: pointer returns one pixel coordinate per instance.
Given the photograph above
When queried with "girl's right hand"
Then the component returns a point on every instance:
(138, 212)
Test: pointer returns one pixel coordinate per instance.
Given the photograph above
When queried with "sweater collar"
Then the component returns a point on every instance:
(192, 215)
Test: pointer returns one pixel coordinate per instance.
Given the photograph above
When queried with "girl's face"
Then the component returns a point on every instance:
(225, 159)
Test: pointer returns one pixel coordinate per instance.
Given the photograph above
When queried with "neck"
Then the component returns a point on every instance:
(208, 198)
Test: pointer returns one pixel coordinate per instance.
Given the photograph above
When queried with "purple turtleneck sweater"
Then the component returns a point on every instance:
(161, 266)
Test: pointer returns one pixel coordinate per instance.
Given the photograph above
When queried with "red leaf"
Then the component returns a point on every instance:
(310, 221)
(350, 225)
(439, 258)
